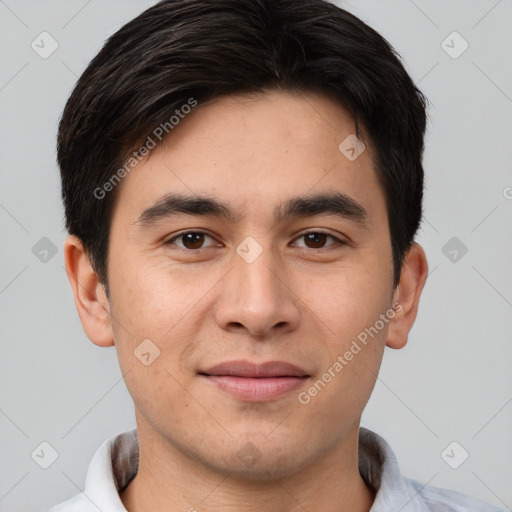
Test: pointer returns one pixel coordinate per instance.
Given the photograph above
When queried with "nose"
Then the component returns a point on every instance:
(257, 299)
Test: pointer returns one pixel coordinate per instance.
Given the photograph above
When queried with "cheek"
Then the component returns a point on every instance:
(162, 305)
(349, 299)
(151, 336)
(340, 391)
(355, 308)
(148, 298)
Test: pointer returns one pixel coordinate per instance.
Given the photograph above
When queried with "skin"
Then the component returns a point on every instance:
(300, 301)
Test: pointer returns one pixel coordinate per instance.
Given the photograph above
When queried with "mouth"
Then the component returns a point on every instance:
(253, 382)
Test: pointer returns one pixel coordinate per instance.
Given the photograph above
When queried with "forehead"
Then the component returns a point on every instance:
(254, 150)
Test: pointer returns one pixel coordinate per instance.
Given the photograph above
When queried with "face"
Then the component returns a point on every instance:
(260, 278)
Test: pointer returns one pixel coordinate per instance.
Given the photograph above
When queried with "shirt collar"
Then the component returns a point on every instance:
(111, 469)
(116, 461)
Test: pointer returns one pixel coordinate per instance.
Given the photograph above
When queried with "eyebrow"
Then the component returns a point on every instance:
(337, 204)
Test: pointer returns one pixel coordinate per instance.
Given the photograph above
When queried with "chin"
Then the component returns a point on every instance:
(260, 459)
(267, 469)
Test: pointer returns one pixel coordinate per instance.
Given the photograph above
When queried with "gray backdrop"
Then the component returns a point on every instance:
(452, 383)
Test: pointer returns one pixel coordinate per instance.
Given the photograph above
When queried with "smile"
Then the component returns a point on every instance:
(256, 382)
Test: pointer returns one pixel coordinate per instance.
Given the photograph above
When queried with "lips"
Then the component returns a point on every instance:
(254, 370)
(254, 382)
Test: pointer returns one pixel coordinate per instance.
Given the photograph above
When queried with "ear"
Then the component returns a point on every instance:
(407, 296)
(90, 298)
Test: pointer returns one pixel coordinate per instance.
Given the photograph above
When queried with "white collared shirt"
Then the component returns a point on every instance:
(115, 464)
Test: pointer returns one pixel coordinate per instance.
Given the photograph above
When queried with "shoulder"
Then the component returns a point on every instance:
(379, 468)
(436, 499)
(112, 466)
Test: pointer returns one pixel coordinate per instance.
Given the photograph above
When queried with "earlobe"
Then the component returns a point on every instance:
(407, 296)
(89, 294)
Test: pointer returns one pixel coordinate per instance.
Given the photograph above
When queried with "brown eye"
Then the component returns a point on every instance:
(191, 240)
(315, 240)
(318, 240)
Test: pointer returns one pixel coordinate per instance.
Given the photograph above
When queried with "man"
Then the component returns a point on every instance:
(242, 182)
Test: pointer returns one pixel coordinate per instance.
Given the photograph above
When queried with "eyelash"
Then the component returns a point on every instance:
(337, 241)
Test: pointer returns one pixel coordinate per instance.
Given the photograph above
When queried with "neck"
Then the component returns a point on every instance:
(168, 480)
